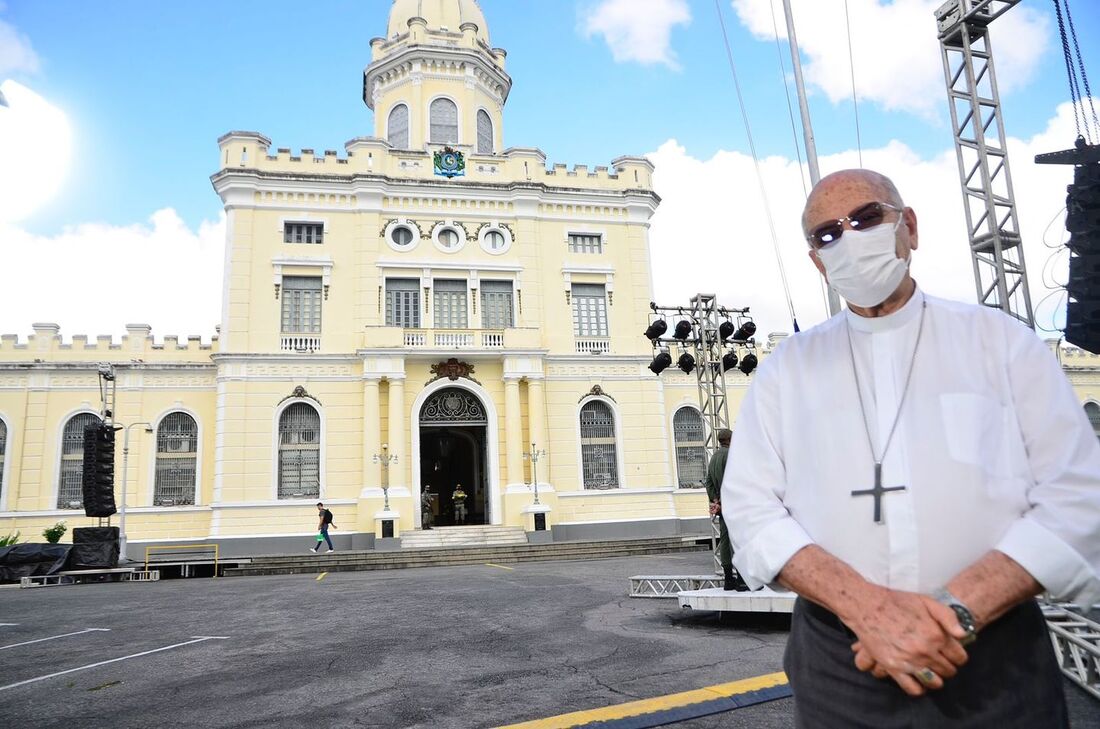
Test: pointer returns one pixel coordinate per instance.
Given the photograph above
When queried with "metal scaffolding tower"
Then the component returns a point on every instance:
(993, 228)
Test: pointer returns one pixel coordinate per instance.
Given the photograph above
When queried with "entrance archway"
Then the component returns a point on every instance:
(452, 447)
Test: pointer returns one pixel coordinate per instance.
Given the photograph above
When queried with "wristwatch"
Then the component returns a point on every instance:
(962, 612)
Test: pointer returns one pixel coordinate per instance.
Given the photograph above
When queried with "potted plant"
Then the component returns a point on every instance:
(53, 534)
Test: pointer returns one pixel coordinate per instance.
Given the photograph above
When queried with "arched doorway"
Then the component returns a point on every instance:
(452, 452)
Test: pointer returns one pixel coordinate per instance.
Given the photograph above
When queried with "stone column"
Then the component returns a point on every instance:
(399, 433)
(513, 431)
(536, 419)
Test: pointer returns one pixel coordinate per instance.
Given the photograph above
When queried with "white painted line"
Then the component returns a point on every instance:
(197, 639)
(55, 637)
(5, 624)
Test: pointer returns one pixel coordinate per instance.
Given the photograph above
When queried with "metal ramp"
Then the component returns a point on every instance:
(765, 600)
(75, 577)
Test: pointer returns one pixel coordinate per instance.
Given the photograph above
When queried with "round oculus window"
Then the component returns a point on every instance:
(401, 236)
(448, 238)
(494, 240)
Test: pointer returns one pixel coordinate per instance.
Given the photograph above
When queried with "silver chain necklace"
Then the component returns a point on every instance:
(878, 490)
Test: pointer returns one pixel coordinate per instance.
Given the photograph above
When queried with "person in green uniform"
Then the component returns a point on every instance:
(459, 498)
(715, 469)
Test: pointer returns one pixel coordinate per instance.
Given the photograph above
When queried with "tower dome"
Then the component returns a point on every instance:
(449, 14)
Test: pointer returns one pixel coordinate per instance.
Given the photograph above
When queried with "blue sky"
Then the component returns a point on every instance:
(148, 86)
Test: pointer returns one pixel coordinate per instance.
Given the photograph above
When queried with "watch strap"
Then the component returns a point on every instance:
(962, 613)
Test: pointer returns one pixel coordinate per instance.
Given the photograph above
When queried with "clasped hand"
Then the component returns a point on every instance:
(902, 634)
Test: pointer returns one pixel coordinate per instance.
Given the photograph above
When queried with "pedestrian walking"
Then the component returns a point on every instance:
(323, 525)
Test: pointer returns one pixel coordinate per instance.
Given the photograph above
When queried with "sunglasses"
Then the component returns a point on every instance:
(864, 217)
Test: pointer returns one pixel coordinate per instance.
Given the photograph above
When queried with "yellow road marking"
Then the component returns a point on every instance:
(499, 566)
(660, 703)
(321, 576)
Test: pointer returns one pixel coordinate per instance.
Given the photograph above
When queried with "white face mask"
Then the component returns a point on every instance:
(863, 265)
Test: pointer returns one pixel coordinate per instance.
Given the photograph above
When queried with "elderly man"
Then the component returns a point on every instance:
(917, 470)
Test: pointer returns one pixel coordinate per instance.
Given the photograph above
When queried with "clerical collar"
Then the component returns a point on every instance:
(909, 312)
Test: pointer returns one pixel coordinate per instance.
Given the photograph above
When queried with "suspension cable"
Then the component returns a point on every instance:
(1081, 65)
(852, 69)
(756, 163)
(1078, 99)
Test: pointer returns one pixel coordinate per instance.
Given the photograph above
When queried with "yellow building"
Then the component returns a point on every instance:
(426, 297)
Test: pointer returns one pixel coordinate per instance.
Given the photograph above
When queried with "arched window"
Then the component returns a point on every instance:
(299, 452)
(691, 458)
(3, 450)
(70, 491)
(397, 130)
(484, 132)
(177, 457)
(444, 122)
(599, 460)
(1093, 411)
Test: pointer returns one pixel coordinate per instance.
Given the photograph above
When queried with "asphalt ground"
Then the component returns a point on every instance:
(472, 646)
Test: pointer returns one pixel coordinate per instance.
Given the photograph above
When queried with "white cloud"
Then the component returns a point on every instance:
(95, 278)
(711, 233)
(895, 46)
(16, 53)
(637, 30)
(35, 146)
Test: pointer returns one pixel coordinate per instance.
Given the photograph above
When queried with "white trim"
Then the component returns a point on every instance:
(617, 492)
(492, 438)
(628, 521)
(618, 444)
(5, 473)
(408, 127)
(672, 430)
(59, 441)
(322, 470)
(428, 121)
(448, 266)
(402, 223)
(151, 490)
(281, 503)
(459, 230)
(227, 277)
(494, 227)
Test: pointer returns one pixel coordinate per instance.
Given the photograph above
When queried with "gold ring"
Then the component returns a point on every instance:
(926, 676)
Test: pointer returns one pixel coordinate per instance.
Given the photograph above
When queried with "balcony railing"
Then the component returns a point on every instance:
(594, 345)
(454, 338)
(304, 343)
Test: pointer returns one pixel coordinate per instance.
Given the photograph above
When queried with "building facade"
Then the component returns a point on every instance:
(426, 309)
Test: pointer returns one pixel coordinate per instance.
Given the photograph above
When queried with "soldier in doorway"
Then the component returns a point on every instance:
(426, 507)
(459, 498)
(715, 469)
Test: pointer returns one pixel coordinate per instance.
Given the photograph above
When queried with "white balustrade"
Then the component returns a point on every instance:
(306, 343)
(593, 346)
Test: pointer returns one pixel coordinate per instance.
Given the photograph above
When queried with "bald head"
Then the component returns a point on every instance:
(865, 185)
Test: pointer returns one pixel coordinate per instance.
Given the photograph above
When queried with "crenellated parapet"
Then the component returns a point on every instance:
(46, 345)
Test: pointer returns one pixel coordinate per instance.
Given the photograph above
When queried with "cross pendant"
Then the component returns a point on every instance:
(877, 492)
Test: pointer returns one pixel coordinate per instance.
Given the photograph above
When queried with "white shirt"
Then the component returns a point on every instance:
(992, 446)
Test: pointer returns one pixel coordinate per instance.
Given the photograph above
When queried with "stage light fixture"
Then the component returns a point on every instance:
(748, 364)
(745, 332)
(729, 361)
(656, 329)
(661, 362)
(683, 330)
(726, 329)
(686, 363)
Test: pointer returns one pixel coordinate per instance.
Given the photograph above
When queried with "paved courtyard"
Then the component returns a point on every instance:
(477, 646)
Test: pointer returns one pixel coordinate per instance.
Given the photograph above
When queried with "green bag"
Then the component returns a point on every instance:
(320, 537)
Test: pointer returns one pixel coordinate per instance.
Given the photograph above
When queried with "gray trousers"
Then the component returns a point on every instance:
(1011, 681)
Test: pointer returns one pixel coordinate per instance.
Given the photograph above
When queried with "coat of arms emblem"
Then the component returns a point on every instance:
(449, 163)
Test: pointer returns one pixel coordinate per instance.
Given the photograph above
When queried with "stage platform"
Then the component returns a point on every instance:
(764, 600)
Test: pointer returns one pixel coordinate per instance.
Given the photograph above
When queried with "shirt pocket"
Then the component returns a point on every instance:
(976, 429)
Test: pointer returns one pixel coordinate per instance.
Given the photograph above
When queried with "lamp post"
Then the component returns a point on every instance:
(534, 455)
(122, 501)
(385, 459)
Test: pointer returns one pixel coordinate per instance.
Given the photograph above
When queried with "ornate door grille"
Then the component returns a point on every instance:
(599, 461)
(70, 492)
(453, 406)
(177, 455)
(691, 456)
(299, 452)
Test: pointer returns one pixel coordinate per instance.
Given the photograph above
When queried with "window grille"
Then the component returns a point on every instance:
(397, 130)
(444, 122)
(3, 450)
(450, 305)
(589, 310)
(585, 243)
(484, 133)
(691, 457)
(403, 303)
(177, 458)
(496, 305)
(301, 304)
(299, 452)
(70, 491)
(313, 233)
(1093, 411)
(598, 457)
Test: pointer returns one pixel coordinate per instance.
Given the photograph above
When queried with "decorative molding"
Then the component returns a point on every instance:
(452, 369)
(596, 391)
(299, 393)
(454, 406)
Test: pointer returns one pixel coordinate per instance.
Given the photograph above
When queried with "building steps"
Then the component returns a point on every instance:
(464, 555)
(456, 536)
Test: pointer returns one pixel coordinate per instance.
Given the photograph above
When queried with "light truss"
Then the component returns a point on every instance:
(1076, 642)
